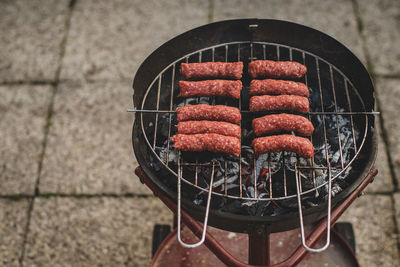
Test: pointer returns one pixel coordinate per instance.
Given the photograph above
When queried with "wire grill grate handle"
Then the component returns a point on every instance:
(203, 237)
(328, 227)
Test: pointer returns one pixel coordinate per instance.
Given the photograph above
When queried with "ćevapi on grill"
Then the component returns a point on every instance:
(275, 192)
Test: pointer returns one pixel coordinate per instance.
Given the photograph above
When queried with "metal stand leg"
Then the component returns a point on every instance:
(228, 258)
(259, 246)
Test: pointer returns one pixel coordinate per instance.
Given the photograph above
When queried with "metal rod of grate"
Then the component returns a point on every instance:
(203, 236)
(266, 112)
(237, 48)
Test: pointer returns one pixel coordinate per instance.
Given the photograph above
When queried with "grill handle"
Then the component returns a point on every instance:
(328, 225)
(203, 236)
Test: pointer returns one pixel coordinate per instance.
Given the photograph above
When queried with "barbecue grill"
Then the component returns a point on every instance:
(275, 192)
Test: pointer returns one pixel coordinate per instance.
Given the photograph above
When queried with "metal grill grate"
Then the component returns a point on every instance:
(164, 90)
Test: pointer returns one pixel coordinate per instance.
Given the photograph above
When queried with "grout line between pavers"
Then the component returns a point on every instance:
(387, 76)
(54, 92)
(379, 193)
(64, 195)
(28, 82)
(94, 81)
(370, 67)
(26, 230)
(60, 81)
(210, 17)
(47, 125)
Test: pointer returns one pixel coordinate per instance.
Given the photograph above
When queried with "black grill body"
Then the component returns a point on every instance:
(255, 34)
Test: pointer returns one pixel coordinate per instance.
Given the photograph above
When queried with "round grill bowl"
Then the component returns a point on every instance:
(268, 31)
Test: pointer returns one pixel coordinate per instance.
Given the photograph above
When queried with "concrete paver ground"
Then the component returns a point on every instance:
(90, 141)
(23, 118)
(93, 231)
(375, 230)
(381, 23)
(13, 218)
(31, 34)
(111, 45)
(336, 20)
(397, 209)
(389, 97)
(384, 181)
(73, 62)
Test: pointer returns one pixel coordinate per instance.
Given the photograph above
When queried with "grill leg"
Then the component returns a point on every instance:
(259, 246)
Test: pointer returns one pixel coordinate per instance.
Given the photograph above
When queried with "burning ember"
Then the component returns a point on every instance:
(266, 184)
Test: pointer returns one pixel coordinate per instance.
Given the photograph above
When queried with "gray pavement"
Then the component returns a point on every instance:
(30, 41)
(13, 218)
(375, 230)
(92, 130)
(106, 45)
(23, 118)
(380, 27)
(68, 194)
(92, 231)
(340, 24)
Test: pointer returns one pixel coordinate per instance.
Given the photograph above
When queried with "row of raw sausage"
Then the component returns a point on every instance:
(257, 68)
(270, 94)
(204, 127)
(227, 88)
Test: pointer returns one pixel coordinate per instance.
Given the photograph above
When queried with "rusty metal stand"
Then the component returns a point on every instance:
(263, 237)
(259, 246)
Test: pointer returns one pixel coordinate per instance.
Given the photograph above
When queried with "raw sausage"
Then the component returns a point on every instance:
(207, 142)
(208, 112)
(201, 127)
(282, 122)
(286, 142)
(280, 102)
(210, 88)
(278, 87)
(277, 69)
(212, 69)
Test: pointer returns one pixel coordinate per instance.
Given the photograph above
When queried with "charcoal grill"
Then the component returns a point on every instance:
(294, 191)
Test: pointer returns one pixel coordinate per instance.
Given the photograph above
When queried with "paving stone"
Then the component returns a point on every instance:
(372, 220)
(93, 231)
(23, 112)
(397, 208)
(32, 32)
(89, 147)
(109, 39)
(388, 91)
(381, 21)
(13, 216)
(383, 182)
(335, 18)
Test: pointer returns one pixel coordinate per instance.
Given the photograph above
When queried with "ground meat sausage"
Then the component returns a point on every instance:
(276, 69)
(286, 142)
(207, 142)
(201, 127)
(208, 112)
(212, 69)
(210, 88)
(278, 87)
(280, 102)
(282, 122)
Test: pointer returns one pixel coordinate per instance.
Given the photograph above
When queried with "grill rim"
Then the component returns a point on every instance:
(343, 169)
(240, 223)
